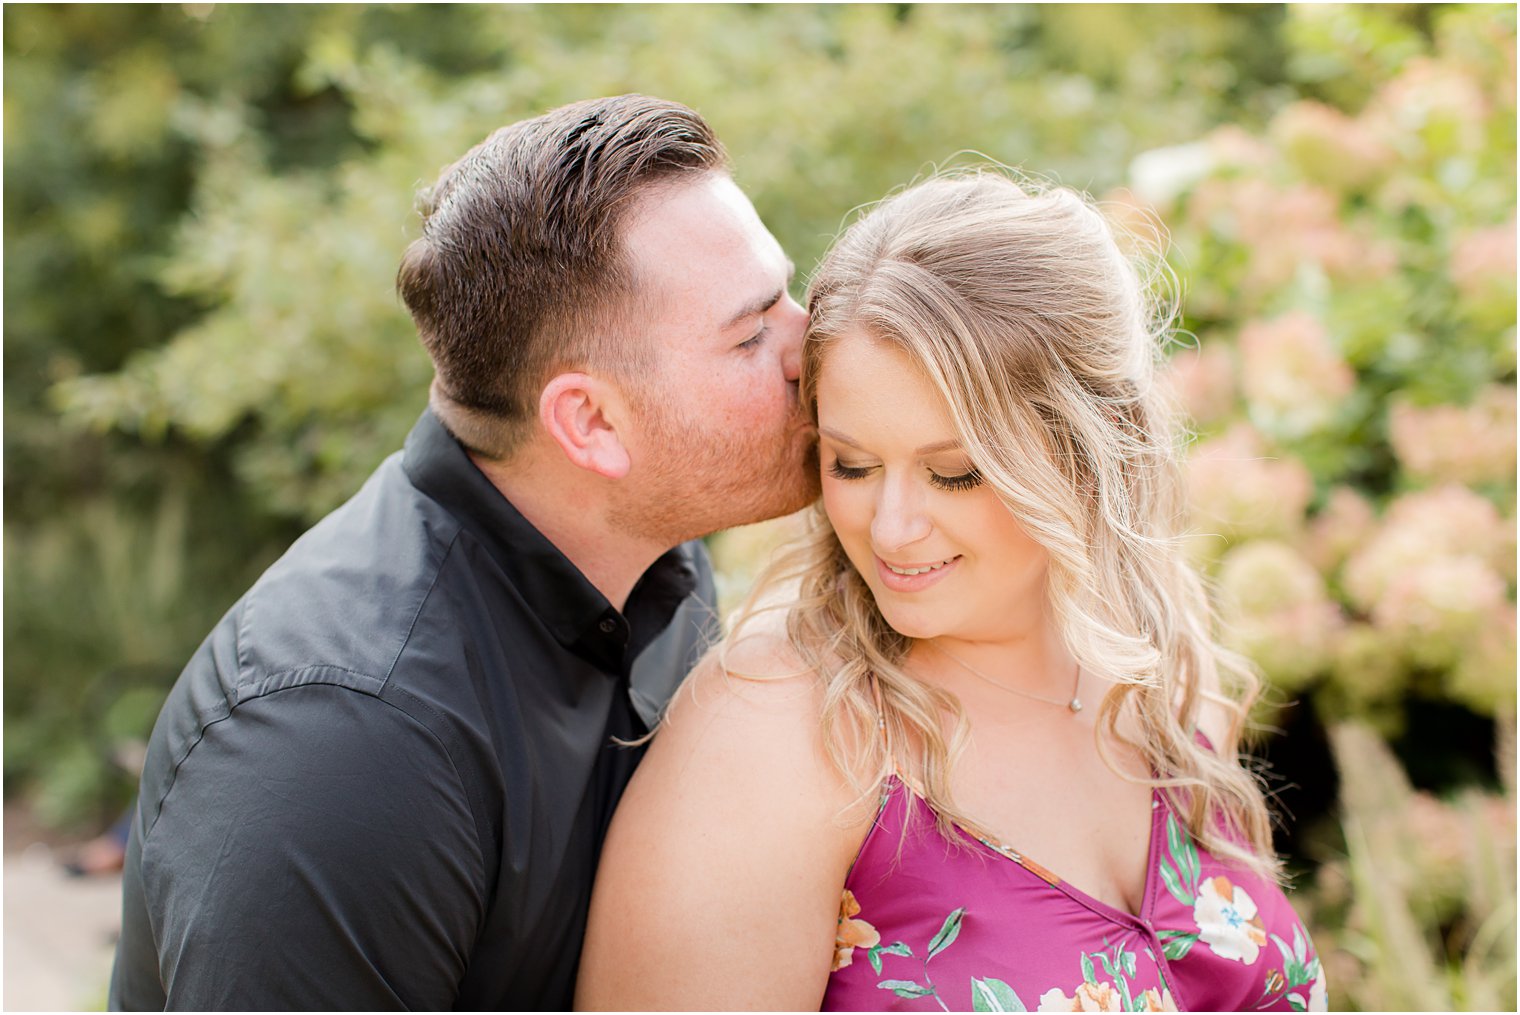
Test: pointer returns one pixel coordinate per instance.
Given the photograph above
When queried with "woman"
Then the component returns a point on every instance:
(967, 746)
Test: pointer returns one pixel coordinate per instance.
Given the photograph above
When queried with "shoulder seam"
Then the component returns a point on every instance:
(205, 726)
(421, 604)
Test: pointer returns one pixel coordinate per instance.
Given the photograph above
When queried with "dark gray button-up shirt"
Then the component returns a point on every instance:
(384, 778)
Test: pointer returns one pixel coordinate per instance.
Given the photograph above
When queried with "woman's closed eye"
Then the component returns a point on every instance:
(961, 481)
(964, 481)
(839, 470)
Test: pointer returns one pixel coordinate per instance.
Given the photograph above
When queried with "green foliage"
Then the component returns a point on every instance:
(327, 374)
(105, 605)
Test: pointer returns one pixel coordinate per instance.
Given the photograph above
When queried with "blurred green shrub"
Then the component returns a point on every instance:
(303, 346)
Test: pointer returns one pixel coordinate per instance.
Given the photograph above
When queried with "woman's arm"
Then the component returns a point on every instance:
(720, 881)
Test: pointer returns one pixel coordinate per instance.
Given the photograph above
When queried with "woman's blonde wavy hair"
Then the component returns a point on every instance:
(1043, 337)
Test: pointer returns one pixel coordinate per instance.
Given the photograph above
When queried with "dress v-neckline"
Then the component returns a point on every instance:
(1056, 881)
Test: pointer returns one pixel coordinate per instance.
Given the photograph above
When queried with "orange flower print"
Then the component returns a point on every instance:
(1104, 997)
(1089, 997)
(852, 933)
(1227, 920)
(1154, 1000)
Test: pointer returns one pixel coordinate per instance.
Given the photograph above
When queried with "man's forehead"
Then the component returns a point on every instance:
(707, 210)
(704, 235)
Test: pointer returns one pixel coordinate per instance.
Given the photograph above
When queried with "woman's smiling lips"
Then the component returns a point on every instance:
(903, 577)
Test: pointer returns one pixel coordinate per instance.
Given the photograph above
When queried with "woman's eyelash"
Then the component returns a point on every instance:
(965, 481)
(841, 471)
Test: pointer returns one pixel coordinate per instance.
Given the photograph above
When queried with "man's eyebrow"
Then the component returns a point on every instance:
(927, 449)
(764, 303)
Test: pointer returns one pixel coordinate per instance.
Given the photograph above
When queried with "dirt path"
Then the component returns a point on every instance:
(60, 932)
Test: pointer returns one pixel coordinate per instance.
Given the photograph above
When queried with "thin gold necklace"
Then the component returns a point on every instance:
(1075, 704)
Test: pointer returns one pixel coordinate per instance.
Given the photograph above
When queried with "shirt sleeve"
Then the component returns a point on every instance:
(316, 850)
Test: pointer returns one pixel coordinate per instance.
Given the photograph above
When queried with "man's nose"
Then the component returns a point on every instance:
(793, 325)
(901, 517)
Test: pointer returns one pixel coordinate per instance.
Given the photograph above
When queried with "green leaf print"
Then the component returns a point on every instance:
(948, 932)
(905, 988)
(1089, 975)
(875, 956)
(1114, 967)
(1173, 885)
(1300, 969)
(1127, 960)
(897, 948)
(1185, 856)
(1176, 943)
(994, 995)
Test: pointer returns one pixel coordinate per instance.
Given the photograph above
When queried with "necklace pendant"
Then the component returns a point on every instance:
(1075, 704)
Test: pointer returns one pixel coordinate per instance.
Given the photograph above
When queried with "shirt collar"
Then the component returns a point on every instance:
(574, 611)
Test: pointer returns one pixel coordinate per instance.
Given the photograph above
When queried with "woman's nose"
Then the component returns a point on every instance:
(901, 517)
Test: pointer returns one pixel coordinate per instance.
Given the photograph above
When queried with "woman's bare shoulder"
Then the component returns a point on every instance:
(752, 700)
(737, 809)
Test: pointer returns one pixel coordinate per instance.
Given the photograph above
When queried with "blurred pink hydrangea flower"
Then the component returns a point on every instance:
(1432, 110)
(1438, 607)
(1482, 267)
(1346, 522)
(1234, 147)
(1278, 611)
(1202, 381)
(1431, 578)
(1238, 490)
(1329, 147)
(1457, 443)
(1294, 380)
(1448, 521)
(1285, 228)
(1484, 258)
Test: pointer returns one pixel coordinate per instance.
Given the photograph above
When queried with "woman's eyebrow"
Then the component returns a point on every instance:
(927, 449)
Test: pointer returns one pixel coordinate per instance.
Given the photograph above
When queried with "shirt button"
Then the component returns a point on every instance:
(608, 625)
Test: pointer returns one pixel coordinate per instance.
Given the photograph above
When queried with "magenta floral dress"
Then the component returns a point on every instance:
(981, 928)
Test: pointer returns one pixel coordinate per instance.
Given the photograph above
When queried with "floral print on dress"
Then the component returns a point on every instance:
(1116, 994)
(851, 933)
(1301, 969)
(912, 989)
(1208, 935)
(1227, 921)
(1103, 997)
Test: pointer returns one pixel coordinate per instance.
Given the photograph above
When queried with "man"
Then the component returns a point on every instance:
(384, 778)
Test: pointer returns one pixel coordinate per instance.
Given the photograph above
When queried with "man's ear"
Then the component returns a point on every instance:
(580, 414)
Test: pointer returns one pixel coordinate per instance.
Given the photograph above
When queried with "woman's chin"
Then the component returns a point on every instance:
(916, 627)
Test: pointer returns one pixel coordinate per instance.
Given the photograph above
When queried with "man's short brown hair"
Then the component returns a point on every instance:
(520, 270)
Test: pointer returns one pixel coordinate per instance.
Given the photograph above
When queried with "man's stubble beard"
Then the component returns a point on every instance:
(698, 484)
